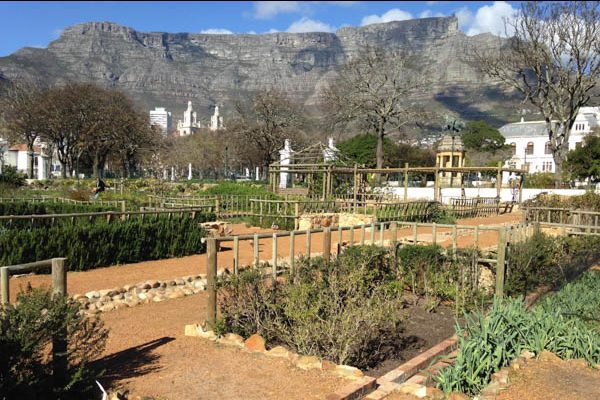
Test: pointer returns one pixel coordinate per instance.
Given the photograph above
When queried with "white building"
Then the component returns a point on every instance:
(162, 118)
(190, 124)
(216, 121)
(330, 153)
(531, 146)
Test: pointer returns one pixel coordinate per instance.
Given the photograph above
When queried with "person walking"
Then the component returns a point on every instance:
(100, 187)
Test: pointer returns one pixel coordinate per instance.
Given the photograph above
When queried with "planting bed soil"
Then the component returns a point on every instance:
(550, 378)
(422, 330)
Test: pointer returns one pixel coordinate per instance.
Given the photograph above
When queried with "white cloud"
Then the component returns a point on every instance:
(269, 9)
(251, 33)
(429, 14)
(308, 25)
(465, 18)
(430, 3)
(394, 14)
(273, 30)
(216, 31)
(491, 19)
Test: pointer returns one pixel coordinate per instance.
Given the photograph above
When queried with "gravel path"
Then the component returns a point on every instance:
(148, 353)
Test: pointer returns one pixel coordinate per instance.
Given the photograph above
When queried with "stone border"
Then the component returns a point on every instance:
(142, 293)
(257, 344)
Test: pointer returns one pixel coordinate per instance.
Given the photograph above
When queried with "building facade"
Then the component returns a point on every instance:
(190, 124)
(216, 120)
(531, 146)
(161, 118)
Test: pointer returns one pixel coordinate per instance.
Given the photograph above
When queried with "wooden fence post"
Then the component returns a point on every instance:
(433, 233)
(4, 285)
(256, 249)
(59, 276)
(60, 361)
(308, 240)
(394, 226)
(500, 262)
(236, 254)
(211, 280)
(292, 251)
(499, 183)
(123, 208)
(327, 244)
(372, 233)
(362, 234)
(454, 239)
(274, 261)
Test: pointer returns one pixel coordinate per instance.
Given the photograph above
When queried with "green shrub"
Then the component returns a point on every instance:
(26, 332)
(239, 188)
(542, 260)
(11, 177)
(539, 180)
(589, 201)
(343, 311)
(49, 207)
(489, 343)
(89, 246)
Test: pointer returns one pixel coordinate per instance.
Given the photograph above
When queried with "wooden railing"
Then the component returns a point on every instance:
(120, 204)
(51, 219)
(569, 221)
(381, 234)
(473, 207)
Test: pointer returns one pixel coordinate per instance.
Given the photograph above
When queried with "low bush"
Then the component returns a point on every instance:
(26, 333)
(589, 201)
(543, 260)
(11, 177)
(488, 343)
(49, 207)
(539, 180)
(344, 311)
(236, 188)
(347, 310)
(89, 246)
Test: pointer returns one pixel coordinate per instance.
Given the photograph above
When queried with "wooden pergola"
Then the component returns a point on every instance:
(329, 170)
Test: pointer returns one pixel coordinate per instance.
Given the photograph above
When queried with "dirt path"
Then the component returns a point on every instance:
(550, 378)
(148, 353)
(118, 276)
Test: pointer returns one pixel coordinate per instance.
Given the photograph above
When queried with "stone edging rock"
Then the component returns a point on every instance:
(257, 344)
(145, 292)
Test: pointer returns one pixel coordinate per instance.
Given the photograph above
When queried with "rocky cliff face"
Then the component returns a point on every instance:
(168, 69)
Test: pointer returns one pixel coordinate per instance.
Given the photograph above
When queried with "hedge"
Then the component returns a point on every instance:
(88, 246)
(30, 208)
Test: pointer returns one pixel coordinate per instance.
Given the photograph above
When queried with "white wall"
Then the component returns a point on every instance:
(419, 193)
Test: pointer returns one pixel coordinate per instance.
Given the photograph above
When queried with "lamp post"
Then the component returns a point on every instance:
(452, 161)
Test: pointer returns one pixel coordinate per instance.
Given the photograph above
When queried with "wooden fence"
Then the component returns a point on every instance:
(568, 221)
(119, 204)
(110, 216)
(59, 287)
(463, 207)
(382, 234)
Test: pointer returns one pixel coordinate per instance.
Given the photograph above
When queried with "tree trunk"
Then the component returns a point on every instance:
(30, 161)
(379, 153)
(559, 158)
(63, 169)
(95, 165)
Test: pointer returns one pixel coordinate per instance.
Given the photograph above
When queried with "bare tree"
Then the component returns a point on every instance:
(19, 108)
(553, 60)
(262, 126)
(375, 89)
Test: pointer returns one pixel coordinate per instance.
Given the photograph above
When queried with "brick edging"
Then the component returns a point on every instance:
(354, 390)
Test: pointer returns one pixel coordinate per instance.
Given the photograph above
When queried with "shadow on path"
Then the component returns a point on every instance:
(129, 363)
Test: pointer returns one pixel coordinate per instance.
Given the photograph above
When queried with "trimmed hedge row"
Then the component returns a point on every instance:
(48, 207)
(103, 244)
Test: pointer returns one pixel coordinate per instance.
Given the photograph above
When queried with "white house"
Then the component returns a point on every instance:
(531, 146)
(216, 120)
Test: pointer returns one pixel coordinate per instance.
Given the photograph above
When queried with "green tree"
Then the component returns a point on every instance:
(584, 162)
(481, 136)
(362, 149)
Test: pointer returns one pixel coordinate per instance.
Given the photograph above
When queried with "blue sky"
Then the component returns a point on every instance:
(30, 23)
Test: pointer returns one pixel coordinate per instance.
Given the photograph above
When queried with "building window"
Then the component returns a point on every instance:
(529, 148)
(579, 127)
(514, 148)
(547, 166)
(547, 149)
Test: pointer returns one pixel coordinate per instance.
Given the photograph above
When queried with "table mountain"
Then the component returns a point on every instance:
(168, 69)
